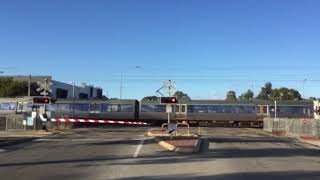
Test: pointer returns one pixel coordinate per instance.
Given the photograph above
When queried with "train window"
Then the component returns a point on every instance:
(198, 108)
(183, 108)
(92, 107)
(146, 108)
(228, 109)
(159, 108)
(153, 108)
(258, 109)
(272, 109)
(81, 107)
(114, 108)
(63, 107)
(246, 109)
(8, 106)
(265, 109)
(215, 109)
(126, 108)
(104, 107)
(27, 106)
(97, 107)
(52, 107)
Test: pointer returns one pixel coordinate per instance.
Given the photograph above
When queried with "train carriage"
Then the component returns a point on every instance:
(231, 113)
(96, 109)
(204, 111)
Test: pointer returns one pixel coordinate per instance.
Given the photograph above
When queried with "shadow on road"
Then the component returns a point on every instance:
(239, 176)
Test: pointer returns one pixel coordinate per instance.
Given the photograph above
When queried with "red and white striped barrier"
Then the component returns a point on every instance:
(96, 121)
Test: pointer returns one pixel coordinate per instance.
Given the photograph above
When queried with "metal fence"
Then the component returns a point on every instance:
(12, 122)
(304, 128)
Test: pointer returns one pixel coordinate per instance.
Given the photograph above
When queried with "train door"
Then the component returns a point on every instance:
(181, 111)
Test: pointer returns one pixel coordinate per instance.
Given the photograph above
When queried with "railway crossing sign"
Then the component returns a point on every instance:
(44, 93)
(45, 87)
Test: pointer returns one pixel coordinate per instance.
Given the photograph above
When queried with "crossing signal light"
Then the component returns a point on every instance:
(169, 100)
(41, 100)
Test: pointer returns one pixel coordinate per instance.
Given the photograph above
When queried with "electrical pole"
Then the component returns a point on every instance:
(121, 86)
(275, 110)
(29, 86)
(74, 97)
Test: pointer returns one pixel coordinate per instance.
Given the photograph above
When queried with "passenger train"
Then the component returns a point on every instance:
(204, 112)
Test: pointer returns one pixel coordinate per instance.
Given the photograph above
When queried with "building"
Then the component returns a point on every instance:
(65, 91)
(62, 90)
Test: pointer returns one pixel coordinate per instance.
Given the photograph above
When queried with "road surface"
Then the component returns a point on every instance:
(126, 154)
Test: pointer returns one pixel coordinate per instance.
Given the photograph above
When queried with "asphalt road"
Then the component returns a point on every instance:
(125, 154)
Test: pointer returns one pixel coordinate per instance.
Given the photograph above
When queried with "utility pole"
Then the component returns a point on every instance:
(74, 97)
(29, 86)
(275, 110)
(121, 86)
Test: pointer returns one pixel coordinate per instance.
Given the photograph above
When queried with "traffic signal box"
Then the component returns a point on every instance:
(41, 100)
(169, 100)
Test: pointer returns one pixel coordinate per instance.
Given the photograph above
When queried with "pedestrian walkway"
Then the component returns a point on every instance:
(23, 133)
(312, 142)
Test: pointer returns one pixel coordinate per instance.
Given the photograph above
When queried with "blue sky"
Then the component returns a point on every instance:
(207, 47)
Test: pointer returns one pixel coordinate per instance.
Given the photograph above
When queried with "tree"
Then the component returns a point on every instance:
(285, 94)
(313, 98)
(182, 96)
(13, 88)
(248, 95)
(265, 92)
(150, 98)
(104, 97)
(231, 96)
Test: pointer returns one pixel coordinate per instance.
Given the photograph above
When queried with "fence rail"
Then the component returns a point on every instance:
(303, 128)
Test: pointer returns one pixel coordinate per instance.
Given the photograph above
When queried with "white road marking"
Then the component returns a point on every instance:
(139, 147)
(2, 150)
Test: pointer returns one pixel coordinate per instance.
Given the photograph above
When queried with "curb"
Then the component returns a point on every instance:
(165, 145)
(172, 148)
(290, 137)
(308, 142)
(193, 149)
(166, 134)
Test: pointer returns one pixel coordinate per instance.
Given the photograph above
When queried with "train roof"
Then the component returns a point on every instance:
(131, 101)
(111, 101)
(114, 101)
(17, 99)
(255, 102)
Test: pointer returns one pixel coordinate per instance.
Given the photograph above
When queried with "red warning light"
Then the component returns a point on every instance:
(168, 100)
(41, 100)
